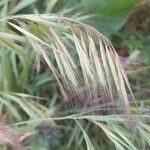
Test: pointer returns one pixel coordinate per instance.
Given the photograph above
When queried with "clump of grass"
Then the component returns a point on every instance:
(85, 65)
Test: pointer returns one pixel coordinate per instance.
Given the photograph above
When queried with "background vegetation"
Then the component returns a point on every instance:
(53, 68)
